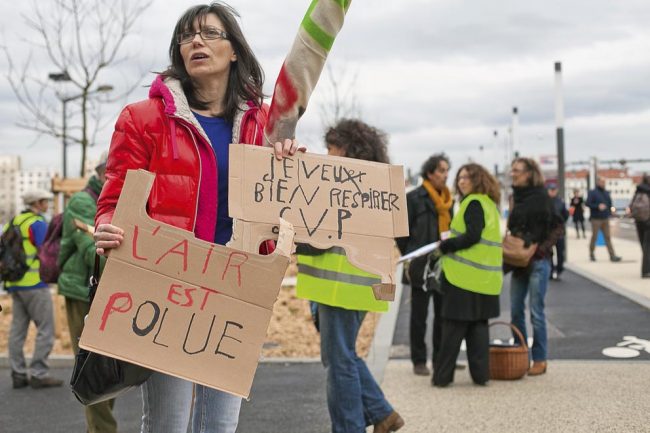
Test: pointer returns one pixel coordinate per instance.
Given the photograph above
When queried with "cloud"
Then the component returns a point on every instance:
(436, 74)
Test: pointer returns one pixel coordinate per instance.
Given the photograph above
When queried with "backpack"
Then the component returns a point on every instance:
(640, 207)
(13, 261)
(48, 254)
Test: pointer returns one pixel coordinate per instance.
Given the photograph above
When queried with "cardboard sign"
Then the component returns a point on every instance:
(182, 306)
(331, 201)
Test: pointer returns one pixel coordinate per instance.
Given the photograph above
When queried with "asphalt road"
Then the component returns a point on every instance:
(583, 318)
(286, 398)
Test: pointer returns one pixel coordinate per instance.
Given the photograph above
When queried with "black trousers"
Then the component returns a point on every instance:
(557, 263)
(643, 230)
(419, 312)
(477, 336)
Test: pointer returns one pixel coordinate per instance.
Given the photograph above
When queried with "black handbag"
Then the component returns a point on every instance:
(96, 378)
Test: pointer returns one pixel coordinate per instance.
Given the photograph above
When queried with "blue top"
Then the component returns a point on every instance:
(219, 133)
(596, 197)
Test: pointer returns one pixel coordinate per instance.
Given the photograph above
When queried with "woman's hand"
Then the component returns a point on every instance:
(107, 237)
(287, 148)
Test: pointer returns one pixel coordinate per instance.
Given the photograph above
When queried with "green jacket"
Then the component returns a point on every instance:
(77, 254)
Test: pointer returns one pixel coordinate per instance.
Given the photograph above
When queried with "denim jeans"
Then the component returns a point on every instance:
(166, 404)
(214, 411)
(534, 283)
(354, 399)
(167, 407)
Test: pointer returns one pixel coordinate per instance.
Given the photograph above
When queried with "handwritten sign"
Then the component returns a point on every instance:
(185, 307)
(331, 201)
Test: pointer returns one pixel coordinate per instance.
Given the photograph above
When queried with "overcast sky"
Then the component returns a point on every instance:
(436, 75)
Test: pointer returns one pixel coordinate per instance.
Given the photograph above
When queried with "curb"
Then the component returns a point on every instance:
(379, 352)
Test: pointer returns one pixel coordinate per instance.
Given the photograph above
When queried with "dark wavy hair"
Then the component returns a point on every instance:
(431, 164)
(359, 140)
(246, 78)
(482, 181)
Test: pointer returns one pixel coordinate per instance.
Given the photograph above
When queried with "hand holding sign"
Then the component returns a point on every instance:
(182, 306)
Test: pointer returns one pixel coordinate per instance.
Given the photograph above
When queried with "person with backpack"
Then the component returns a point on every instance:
(640, 212)
(31, 297)
(76, 260)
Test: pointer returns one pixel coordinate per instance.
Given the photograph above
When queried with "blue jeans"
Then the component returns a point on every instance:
(354, 399)
(214, 411)
(535, 283)
(167, 407)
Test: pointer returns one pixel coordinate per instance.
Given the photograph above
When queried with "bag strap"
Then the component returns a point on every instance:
(94, 280)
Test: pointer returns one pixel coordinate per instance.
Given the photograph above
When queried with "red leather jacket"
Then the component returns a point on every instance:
(161, 135)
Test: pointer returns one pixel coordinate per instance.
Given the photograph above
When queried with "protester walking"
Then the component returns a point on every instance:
(577, 211)
(31, 299)
(76, 261)
(344, 295)
(640, 210)
(599, 203)
(557, 259)
(429, 212)
(531, 220)
(210, 96)
(471, 276)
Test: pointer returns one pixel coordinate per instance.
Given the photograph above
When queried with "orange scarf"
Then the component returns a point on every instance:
(442, 202)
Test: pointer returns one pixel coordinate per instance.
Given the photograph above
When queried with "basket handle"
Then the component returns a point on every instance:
(515, 329)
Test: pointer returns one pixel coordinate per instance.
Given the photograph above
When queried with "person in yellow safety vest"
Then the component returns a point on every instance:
(31, 300)
(471, 277)
(343, 294)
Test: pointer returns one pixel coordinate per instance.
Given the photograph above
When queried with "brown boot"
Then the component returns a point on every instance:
(45, 382)
(539, 367)
(392, 422)
(421, 370)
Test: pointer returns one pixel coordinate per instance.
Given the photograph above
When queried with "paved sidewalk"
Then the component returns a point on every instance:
(574, 396)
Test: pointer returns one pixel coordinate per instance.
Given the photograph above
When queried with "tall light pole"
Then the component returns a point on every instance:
(63, 76)
(559, 122)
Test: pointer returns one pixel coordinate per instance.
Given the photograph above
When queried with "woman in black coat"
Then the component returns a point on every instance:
(531, 219)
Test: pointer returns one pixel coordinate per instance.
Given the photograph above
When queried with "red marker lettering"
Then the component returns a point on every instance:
(182, 252)
(243, 257)
(111, 307)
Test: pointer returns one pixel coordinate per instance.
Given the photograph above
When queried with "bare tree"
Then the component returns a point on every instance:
(81, 39)
(340, 95)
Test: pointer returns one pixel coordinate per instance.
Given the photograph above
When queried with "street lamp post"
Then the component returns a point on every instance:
(63, 76)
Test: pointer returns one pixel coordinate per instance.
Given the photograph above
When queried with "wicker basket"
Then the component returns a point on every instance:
(509, 362)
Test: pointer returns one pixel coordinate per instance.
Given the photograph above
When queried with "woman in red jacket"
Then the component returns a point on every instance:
(210, 96)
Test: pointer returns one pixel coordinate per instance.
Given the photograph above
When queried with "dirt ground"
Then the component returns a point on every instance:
(291, 332)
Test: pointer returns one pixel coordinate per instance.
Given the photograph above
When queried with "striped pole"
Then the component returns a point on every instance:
(302, 67)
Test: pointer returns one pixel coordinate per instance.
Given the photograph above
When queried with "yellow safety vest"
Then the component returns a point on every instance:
(31, 277)
(479, 267)
(330, 279)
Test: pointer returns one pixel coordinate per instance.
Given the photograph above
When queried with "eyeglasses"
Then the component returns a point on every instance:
(207, 34)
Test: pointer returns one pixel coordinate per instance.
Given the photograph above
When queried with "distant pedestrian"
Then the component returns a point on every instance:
(471, 276)
(640, 209)
(344, 295)
(599, 203)
(429, 212)
(31, 300)
(577, 211)
(531, 220)
(557, 259)
(76, 261)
